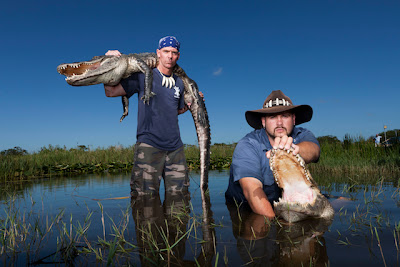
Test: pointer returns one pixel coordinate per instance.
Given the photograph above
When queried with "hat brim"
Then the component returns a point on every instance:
(303, 114)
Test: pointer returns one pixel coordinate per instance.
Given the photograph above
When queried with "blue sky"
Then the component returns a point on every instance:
(340, 57)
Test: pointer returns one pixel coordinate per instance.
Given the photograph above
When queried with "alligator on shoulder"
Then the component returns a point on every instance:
(301, 198)
(109, 70)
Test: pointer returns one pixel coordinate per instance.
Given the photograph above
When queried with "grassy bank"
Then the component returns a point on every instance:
(350, 157)
(54, 161)
(357, 159)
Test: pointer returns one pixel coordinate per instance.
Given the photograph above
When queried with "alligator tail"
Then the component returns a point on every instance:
(201, 122)
(200, 117)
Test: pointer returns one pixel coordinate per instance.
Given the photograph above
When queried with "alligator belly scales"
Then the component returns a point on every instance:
(301, 198)
(109, 70)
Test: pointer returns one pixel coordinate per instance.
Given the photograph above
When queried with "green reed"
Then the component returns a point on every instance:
(350, 157)
(357, 158)
(52, 161)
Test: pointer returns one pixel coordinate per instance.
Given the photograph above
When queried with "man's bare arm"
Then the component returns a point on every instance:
(254, 193)
(113, 91)
(309, 151)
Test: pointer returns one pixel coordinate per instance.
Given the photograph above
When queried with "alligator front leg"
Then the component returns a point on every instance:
(148, 78)
(135, 63)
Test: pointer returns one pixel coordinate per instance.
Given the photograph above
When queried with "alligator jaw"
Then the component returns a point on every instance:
(77, 68)
(301, 197)
(89, 72)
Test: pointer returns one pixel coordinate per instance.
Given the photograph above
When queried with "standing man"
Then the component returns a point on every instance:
(377, 140)
(159, 151)
(251, 180)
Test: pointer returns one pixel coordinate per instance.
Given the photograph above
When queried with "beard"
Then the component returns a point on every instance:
(274, 133)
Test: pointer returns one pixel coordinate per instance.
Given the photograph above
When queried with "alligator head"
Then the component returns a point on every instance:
(100, 69)
(301, 198)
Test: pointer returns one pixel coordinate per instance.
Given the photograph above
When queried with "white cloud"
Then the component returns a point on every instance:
(217, 72)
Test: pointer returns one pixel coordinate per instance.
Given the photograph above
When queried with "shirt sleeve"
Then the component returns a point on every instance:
(246, 162)
(305, 135)
(131, 84)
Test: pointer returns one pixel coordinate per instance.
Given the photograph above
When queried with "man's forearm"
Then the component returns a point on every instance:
(113, 91)
(309, 151)
(255, 196)
(259, 204)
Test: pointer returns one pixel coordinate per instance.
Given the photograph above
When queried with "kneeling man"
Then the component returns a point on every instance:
(251, 180)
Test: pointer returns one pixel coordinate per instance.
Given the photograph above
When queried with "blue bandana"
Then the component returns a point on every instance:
(169, 41)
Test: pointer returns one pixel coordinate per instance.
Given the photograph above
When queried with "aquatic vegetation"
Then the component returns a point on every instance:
(38, 239)
(175, 231)
(354, 158)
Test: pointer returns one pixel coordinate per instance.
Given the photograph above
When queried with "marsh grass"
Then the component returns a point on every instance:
(369, 219)
(53, 161)
(354, 158)
(357, 159)
(38, 239)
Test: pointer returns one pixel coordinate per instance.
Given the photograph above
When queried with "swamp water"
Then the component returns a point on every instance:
(89, 219)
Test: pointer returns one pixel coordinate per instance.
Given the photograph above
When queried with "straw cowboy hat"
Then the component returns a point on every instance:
(278, 102)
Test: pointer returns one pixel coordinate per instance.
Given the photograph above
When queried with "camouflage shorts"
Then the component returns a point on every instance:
(150, 164)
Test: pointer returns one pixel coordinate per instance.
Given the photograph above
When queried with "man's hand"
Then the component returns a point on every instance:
(284, 142)
(113, 53)
(187, 106)
(309, 151)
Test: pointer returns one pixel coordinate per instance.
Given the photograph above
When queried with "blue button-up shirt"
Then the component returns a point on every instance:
(249, 160)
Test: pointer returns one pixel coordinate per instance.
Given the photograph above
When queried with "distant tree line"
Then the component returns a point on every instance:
(16, 151)
(327, 139)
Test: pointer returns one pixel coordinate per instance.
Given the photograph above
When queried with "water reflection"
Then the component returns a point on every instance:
(264, 243)
(162, 229)
(235, 239)
(161, 226)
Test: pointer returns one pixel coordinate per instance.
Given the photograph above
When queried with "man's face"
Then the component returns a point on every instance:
(278, 125)
(168, 57)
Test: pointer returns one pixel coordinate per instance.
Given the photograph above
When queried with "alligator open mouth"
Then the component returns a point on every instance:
(100, 69)
(79, 68)
(301, 198)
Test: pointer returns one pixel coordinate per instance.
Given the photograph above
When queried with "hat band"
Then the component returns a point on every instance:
(277, 102)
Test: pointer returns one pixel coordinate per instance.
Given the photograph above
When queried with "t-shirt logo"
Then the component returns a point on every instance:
(177, 93)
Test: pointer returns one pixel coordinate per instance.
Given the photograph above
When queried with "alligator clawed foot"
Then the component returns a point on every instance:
(146, 99)
(123, 117)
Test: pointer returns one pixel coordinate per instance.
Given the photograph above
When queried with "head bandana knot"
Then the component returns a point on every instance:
(169, 41)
